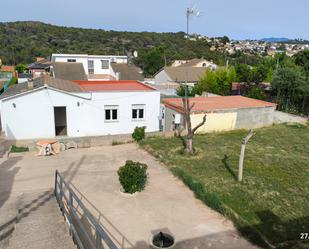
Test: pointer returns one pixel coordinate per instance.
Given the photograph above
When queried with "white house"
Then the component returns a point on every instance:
(96, 67)
(49, 107)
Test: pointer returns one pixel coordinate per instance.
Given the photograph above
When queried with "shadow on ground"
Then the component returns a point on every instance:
(7, 175)
(278, 233)
(228, 167)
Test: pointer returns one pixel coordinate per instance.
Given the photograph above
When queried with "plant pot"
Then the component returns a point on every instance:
(121, 190)
(162, 240)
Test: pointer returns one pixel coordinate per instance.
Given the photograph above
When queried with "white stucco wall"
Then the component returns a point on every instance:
(33, 114)
(96, 61)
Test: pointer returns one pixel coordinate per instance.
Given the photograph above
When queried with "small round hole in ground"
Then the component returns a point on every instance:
(162, 240)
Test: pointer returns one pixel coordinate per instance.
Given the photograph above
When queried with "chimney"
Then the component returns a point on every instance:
(30, 84)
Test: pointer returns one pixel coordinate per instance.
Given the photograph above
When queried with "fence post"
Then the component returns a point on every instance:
(61, 194)
(70, 210)
(98, 239)
(55, 189)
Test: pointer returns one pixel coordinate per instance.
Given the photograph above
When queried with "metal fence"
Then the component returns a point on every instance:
(87, 233)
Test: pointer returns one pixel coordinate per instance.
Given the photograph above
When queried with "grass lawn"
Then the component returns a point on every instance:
(273, 198)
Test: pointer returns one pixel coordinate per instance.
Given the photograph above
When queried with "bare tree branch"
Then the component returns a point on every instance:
(190, 108)
(246, 139)
(199, 125)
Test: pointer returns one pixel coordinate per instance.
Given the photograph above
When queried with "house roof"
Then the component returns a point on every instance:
(209, 104)
(40, 64)
(111, 86)
(178, 74)
(127, 72)
(69, 71)
(193, 62)
(5, 68)
(59, 84)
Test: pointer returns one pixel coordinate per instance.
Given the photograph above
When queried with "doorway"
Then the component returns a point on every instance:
(60, 114)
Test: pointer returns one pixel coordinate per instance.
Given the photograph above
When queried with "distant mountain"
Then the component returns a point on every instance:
(275, 39)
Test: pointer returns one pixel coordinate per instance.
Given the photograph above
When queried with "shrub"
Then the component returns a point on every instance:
(133, 176)
(139, 133)
(15, 149)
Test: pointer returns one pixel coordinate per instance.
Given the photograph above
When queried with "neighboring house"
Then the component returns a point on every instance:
(9, 69)
(23, 77)
(68, 71)
(195, 63)
(47, 107)
(179, 75)
(96, 67)
(224, 113)
(40, 67)
(124, 71)
(6, 77)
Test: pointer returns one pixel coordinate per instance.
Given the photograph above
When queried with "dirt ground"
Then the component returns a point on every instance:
(165, 204)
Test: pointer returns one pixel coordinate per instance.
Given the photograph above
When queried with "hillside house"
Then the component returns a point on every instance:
(224, 113)
(40, 67)
(48, 107)
(195, 63)
(96, 67)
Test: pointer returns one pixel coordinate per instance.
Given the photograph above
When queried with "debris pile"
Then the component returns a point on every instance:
(53, 147)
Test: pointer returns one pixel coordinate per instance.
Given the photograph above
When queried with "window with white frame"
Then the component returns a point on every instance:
(105, 64)
(111, 112)
(71, 60)
(138, 112)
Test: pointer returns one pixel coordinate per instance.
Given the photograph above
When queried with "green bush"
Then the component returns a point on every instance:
(139, 133)
(15, 149)
(133, 176)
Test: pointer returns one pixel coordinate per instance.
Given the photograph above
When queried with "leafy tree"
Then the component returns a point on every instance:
(21, 68)
(217, 82)
(154, 61)
(225, 39)
(256, 93)
(258, 74)
(302, 59)
(243, 73)
(291, 88)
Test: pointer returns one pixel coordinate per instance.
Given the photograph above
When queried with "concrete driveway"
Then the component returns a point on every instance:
(165, 205)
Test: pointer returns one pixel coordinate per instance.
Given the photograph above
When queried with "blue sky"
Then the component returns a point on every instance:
(239, 19)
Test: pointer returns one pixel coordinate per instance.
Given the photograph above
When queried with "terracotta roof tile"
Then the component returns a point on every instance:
(114, 85)
(209, 104)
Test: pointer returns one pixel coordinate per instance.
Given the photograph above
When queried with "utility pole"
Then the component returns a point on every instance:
(186, 105)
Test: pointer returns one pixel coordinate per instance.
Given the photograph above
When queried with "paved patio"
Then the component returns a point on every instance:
(165, 205)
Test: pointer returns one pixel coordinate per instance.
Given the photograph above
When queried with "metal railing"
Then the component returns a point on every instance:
(76, 214)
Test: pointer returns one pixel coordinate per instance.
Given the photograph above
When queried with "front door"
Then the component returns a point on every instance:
(60, 114)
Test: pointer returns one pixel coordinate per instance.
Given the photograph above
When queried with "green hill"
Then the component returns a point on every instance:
(21, 42)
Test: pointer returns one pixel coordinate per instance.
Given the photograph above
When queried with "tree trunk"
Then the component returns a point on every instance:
(189, 145)
(190, 132)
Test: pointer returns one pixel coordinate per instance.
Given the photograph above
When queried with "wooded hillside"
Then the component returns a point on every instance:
(21, 42)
